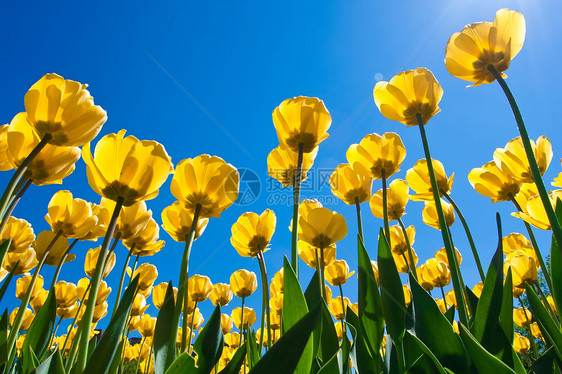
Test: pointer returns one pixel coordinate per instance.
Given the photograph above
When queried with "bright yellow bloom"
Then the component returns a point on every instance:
(307, 253)
(74, 217)
(232, 339)
(522, 317)
(425, 283)
(5, 163)
(21, 233)
(521, 344)
(251, 233)
(301, 120)
(429, 214)
(515, 242)
(397, 198)
(221, 294)
(139, 305)
(92, 259)
(146, 243)
(65, 293)
(51, 165)
(478, 288)
(127, 168)
(437, 272)
(103, 291)
(249, 317)
(276, 285)
(69, 312)
(376, 155)
(491, 181)
(407, 295)
(23, 283)
(401, 264)
(39, 299)
(513, 160)
(275, 321)
(337, 272)
(276, 303)
(536, 331)
(243, 282)
(451, 299)
(407, 95)
(57, 251)
(27, 318)
(536, 215)
(205, 181)
(418, 180)
(274, 336)
(322, 227)
(527, 191)
(177, 221)
(132, 219)
(552, 304)
(339, 330)
(25, 261)
(64, 109)
(523, 269)
(200, 287)
(441, 255)
(398, 240)
(100, 228)
(469, 52)
(335, 307)
(282, 164)
(147, 275)
(349, 186)
(226, 322)
(159, 294)
(146, 325)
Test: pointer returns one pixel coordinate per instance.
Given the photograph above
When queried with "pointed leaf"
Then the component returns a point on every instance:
(545, 363)
(183, 364)
(4, 337)
(163, 331)
(484, 361)
(52, 364)
(8, 279)
(333, 366)
(545, 321)
(437, 367)
(253, 354)
(233, 367)
(209, 343)
(472, 300)
(313, 297)
(361, 357)
(328, 337)
(506, 311)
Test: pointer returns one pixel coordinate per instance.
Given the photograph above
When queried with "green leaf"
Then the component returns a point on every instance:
(162, 332)
(39, 333)
(472, 300)
(4, 249)
(313, 297)
(8, 279)
(253, 354)
(116, 362)
(209, 343)
(102, 356)
(233, 367)
(333, 366)
(52, 364)
(556, 265)
(4, 337)
(183, 364)
(450, 314)
(370, 306)
(329, 338)
(360, 356)
(506, 311)
(392, 293)
(390, 357)
(435, 331)
(437, 367)
(545, 363)
(294, 308)
(484, 361)
(284, 356)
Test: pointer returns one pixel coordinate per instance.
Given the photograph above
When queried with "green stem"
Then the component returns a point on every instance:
(265, 306)
(530, 334)
(134, 268)
(61, 262)
(535, 246)
(343, 309)
(147, 366)
(444, 298)
(459, 292)
(296, 201)
(323, 276)
(83, 332)
(242, 324)
(13, 204)
(468, 235)
(385, 206)
(412, 263)
(535, 171)
(359, 221)
(140, 354)
(122, 280)
(191, 326)
(74, 346)
(319, 270)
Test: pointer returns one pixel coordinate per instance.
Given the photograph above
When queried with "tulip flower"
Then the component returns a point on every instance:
(407, 295)
(337, 272)
(515, 242)
(491, 181)
(536, 214)
(418, 179)
(521, 344)
(52, 247)
(23, 284)
(398, 196)
(477, 289)
(349, 186)
(437, 273)
(421, 273)
(221, 294)
(68, 312)
(251, 233)
(522, 317)
(65, 294)
(146, 325)
(243, 283)
(249, 317)
(146, 243)
(5, 163)
(92, 259)
(159, 294)
(430, 215)
(195, 319)
(337, 307)
(536, 331)
(276, 303)
(404, 263)
(232, 339)
(139, 305)
(74, 217)
(27, 318)
(200, 287)
(132, 219)
(399, 244)
(301, 123)
(322, 227)
(307, 253)
(177, 221)
(21, 234)
(441, 255)
(377, 156)
(282, 164)
(25, 261)
(524, 270)
(469, 52)
(513, 160)
(277, 281)
(38, 300)
(226, 322)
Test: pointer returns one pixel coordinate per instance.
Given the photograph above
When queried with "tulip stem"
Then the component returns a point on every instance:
(83, 333)
(241, 324)
(359, 221)
(451, 256)
(412, 263)
(62, 261)
(296, 201)
(542, 264)
(122, 280)
(343, 310)
(140, 354)
(265, 305)
(13, 204)
(535, 171)
(75, 341)
(319, 271)
(134, 268)
(183, 292)
(468, 235)
(191, 326)
(531, 337)
(444, 298)
(385, 206)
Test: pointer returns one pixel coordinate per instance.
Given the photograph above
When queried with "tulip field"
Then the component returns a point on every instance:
(410, 313)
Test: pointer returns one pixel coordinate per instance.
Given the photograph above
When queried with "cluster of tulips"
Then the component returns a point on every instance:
(392, 328)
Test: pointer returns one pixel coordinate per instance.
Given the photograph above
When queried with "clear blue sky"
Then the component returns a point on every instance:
(204, 77)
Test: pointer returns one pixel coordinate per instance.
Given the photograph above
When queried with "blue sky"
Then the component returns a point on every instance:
(204, 77)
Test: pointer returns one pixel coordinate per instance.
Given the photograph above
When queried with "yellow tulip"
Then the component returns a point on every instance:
(398, 240)
(275, 321)
(407, 295)
(139, 305)
(521, 344)
(437, 272)
(226, 323)
(177, 221)
(51, 165)
(274, 336)
(535, 214)
(337, 272)
(74, 217)
(249, 317)
(441, 255)
(132, 219)
(425, 283)
(232, 339)
(451, 298)
(376, 155)
(65, 294)
(522, 317)
(243, 283)
(478, 288)
(491, 181)
(307, 253)
(27, 318)
(25, 261)
(21, 233)
(339, 330)
(200, 287)
(92, 259)
(442, 305)
(100, 228)
(301, 120)
(349, 186)
(251, 233)
(282, 165)
(469, 52)
(57, 250)
(38, 300)
(103, 293)
(536, 331)
(429, 214)
(127, 168)
(5, 163)
(397, 198)
(403, 261)
(513, 160)
(147, 275)
(207, 182)
(23, 283)
(146, 325)
(159, 294)
(322, 227)
(221, 294)
(407, 95)
(68, 312)
(523, 268)
(336, 308)
(418, 180)
(515, 242)
(226, 357)
(276, 285)
(146, 243)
